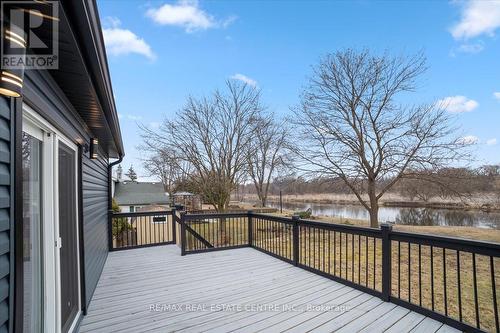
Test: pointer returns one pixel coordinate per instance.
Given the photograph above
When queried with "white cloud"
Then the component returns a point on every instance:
(111, 21)
(230, 20)
(478, 17)
(496, 95)
(188, 15)
(154, 125)
(133, 117)
(244, 78)
(491, 142)
(468, 140)
(121, 41)
(471, 48)
(457, 104)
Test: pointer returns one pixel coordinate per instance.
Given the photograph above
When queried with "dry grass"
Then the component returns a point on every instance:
(351, 260)
(354, 259)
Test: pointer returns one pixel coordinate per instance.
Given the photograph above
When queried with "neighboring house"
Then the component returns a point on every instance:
(132, 196)
(58, 130)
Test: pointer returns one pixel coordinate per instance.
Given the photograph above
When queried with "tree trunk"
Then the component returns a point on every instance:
(374, 216)
(261, 197)
(373, 204)
(223, 206)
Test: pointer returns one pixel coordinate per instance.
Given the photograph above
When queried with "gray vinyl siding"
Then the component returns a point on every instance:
(43, 95)
(6, 126)
(95, 210)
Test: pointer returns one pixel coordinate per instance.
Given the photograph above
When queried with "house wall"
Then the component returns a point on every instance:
(95, 210)
(146, 208)
(7, 151)
(126, 209)
(44, 96)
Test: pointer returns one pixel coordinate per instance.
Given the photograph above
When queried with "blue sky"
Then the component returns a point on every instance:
(160, 52)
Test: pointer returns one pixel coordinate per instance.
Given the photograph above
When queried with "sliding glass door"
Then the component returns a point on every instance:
(32, 231)
(68, 233)
(51, 276)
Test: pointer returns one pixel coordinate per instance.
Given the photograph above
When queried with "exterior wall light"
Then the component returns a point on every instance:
(94, 148)
(14, 44)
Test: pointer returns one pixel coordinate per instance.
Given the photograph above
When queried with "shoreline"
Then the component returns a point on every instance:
(465, 232)
(390, 203)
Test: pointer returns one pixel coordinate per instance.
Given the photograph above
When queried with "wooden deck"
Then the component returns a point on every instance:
(156, 290)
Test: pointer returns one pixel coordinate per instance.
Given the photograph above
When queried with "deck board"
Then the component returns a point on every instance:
(134, 281)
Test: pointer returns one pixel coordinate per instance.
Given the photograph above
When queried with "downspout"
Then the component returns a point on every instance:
(110, 201)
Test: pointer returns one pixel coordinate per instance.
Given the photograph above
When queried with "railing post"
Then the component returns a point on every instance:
(295, 232)
(386, 261)
(179, 209)
(250, 228)
(174, 226)
(183, 234)
(110, 230)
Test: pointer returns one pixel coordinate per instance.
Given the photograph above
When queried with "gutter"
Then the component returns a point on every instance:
(110, 200)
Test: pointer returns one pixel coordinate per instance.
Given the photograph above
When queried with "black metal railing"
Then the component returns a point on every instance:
(351, 255)
(452, 277)
(273, 235)
(452, 280)
(141, 229)
(206, 232)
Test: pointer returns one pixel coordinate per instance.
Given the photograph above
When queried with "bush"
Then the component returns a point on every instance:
(305, 214)
(120, 225)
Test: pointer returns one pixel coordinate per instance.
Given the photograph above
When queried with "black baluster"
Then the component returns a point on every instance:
(409, 272)
(432, 277)
(399, 269)
(420, 274)
(444, 284)
(476, 303)
(494, 292)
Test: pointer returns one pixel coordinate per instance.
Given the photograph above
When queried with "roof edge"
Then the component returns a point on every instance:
(86, 25)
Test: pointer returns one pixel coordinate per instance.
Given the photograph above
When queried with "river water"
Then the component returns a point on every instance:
(403, 215)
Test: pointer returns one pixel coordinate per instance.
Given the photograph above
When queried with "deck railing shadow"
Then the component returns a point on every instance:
(449, 279)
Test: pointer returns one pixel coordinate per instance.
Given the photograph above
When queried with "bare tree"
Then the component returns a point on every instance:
(352, 127)
(267, 154)
(211, 136)
(165, 166)
(446, 183)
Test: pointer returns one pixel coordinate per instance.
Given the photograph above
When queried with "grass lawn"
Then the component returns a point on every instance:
(353, 259)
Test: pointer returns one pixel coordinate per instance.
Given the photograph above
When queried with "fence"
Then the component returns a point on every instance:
(449, 279)
(206, 232)
(133, 230)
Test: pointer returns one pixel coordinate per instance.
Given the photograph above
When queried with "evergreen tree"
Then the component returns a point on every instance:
(131, 174)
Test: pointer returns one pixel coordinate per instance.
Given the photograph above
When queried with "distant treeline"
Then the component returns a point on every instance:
(445, 183)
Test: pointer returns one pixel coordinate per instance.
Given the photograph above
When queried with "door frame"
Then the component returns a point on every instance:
(51, 315)
(57, 139)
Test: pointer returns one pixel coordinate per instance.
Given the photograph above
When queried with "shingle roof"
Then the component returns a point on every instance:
(133, 193)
